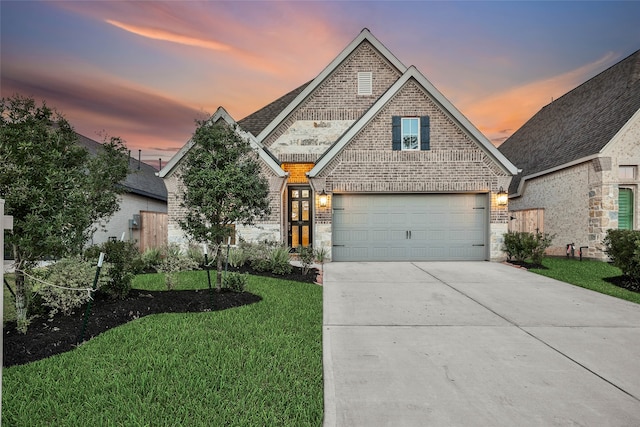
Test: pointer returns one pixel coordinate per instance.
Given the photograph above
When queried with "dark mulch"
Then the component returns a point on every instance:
(625, 282)
(46, 337)
(527, 265)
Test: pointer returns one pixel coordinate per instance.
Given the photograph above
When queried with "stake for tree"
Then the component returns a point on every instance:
(88, 311)
(206, 266)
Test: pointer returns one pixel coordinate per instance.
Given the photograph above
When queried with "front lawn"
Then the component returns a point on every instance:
(259, 364)
(587, 274)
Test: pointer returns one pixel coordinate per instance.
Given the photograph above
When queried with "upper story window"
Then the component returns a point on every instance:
(365, 83)
(627, 173)
(410, 133)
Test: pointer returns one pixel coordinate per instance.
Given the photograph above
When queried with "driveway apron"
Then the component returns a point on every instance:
(474, 344)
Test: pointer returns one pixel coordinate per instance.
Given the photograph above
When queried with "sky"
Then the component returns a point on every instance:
(146, 70)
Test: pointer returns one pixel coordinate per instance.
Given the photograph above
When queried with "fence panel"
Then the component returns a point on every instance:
(153, 230)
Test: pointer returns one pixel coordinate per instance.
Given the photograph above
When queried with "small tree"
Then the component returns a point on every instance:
(55, 190)
(222, 185)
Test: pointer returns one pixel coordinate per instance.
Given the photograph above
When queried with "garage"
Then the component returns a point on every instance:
(410, 227)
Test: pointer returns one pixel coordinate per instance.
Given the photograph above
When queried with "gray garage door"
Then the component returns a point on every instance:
(410, 227)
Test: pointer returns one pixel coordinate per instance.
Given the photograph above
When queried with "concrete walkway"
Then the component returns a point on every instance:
(475, 344)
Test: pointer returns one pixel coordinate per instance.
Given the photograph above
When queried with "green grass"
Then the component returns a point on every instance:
(588, 274)
(259, 364)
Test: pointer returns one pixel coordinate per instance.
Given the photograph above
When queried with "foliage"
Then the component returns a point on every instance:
(237, 257)
(72, 272)
(222, 185)
(129, 376)
(268, 256)
(54, 189)
(196, 253)
(306, 258)
(174, 262)
(521, 245)
(623, 247)
(151, 259)
(235, 282)
(280, 260)
(320, 254)
(124, 263)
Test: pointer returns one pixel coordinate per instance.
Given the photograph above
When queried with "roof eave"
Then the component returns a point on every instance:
(365, 34)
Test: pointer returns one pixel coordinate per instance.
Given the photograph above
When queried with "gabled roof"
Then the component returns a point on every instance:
(578, 125)
(413, 73)
(221, 114)
(259, 120)
(141, 178)
(365, 35)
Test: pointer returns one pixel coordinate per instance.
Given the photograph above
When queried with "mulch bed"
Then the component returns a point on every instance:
(47, 337)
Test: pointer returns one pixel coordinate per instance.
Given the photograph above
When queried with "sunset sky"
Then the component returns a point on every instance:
(145, 70)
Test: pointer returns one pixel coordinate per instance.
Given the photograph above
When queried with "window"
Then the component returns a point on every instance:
(365, 83)
(627, 173)
(410, 136)
(625, 209)
(410, 133)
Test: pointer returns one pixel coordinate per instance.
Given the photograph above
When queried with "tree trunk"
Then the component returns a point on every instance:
(219, 261)
(22, 323)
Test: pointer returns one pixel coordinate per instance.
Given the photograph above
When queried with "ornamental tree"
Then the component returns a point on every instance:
(56, 191)
(222, 185)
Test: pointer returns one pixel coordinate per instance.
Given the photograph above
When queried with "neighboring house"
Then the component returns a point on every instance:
(371, 162)
(142, 216)
(579, 157)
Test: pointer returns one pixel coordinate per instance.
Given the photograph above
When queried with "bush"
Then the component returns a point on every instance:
(306, 258)
(151, 259)
(623, 247)
(268, 256)
(235, 282)
(69, 273)
(237, 257)
(173, 262)
(280, 260)
(521, 245)
(124, 263)
(196, 253)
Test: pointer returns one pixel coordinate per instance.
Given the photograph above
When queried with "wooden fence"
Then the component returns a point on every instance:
(153, 230)
(528, 220)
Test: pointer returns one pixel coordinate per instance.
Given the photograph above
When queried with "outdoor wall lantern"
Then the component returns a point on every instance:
(323, 199)
(502, 197)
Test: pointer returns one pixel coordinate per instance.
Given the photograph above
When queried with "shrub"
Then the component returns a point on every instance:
(521, 245)
(196, 253)
(151, 259)
(235, 282)
(237, 257)
(174, 262)
(306, 258)
(124, 263)
(320, 254)
(280, 260)
(69, 273)
(623, 247)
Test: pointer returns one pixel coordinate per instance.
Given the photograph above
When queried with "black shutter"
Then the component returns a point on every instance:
(396, 136)
(424, 133)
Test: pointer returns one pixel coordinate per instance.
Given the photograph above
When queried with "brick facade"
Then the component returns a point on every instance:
(455, 163)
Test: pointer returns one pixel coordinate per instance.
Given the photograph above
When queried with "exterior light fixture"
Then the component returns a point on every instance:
(323, 199)
(502, 197)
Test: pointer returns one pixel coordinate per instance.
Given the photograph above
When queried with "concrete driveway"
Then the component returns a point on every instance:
(475, 344)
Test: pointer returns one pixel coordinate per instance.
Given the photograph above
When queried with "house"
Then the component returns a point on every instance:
(371, 162)
(142, 216)
(579, 157)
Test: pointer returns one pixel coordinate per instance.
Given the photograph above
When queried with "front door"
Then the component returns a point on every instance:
(299, 217)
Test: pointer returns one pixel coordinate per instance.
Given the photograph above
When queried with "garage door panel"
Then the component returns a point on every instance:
(410, 227)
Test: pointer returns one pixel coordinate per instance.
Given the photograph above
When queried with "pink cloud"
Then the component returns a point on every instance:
(499, 115)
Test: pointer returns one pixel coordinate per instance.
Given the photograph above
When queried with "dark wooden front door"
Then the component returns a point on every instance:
(299, 216)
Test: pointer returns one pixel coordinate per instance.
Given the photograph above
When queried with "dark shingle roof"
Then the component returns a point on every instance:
(256, 122)
(141, 180)
(578, 124)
